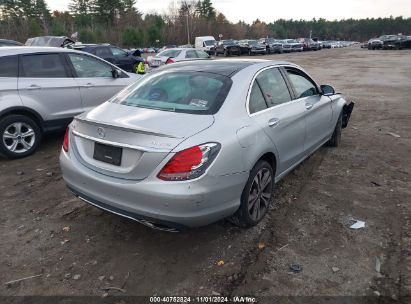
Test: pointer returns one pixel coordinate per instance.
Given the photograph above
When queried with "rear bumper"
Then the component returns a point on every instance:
(172, 204)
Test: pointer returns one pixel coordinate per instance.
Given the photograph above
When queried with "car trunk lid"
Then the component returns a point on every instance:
(129, 142)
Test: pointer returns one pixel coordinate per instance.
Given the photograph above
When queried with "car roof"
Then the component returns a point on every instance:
(224, 67)
(17, 50)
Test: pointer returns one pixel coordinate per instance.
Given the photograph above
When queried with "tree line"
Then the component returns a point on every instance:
(120, 22)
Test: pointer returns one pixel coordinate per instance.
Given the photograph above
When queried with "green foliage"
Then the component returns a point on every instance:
(120, 22)
(34, 28)
(206, 9)
(132, 37)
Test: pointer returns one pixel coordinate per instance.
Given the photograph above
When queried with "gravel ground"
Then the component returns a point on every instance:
(78, 250)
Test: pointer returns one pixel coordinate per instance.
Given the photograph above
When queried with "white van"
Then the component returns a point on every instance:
(205, 43)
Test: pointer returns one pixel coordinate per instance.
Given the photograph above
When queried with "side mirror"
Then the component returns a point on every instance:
(115, 73)
(327, 90)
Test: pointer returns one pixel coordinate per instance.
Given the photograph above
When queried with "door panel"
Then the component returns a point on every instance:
(285, 125)
(318, 119)
(9, 96)
(95, 80)
(122, 59)
(45, 86)
(318, 109)
(281, 119)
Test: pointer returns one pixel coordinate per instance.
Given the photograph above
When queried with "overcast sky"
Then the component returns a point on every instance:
(270, 10)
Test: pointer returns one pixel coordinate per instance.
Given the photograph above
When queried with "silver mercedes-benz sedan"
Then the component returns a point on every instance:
(196, 142)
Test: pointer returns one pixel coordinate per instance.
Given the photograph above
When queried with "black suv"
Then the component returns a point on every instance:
(124, 60)
(227, 47)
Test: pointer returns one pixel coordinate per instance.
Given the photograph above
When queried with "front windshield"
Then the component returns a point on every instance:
(252, 42)
(169, 53)
(228, 42)
(184, 92)
(209, 42)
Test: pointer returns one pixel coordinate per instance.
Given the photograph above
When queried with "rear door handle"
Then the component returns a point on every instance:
(273, 122)
(33, 87)
(88, 85)
(308, 106)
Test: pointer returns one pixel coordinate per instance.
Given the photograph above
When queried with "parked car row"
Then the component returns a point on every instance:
(331, 44)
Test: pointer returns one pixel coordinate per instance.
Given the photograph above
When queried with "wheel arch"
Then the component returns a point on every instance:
(26, 112)
(271, 158)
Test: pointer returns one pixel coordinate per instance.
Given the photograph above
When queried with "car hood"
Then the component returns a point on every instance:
(134, 76)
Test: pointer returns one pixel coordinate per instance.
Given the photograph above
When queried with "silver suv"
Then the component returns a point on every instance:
(42, 89)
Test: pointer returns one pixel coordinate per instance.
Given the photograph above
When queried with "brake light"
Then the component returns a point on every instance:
(169, 60)
(189, 163)
(66, 140)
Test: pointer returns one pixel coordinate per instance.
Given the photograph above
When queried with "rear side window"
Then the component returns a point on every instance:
(43, 66)
(257, 101)
(118, 52)
(303, 86)
(103, 52)
(191, 54)
(87, 66)
(8, 66)
(184, 92)
(273, 86)
(201, 54)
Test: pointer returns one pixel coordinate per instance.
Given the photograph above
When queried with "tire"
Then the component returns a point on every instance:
(336, 137)
(249, 52)
(226, 53)
(247, 216)
(215, 53)
(20, 136)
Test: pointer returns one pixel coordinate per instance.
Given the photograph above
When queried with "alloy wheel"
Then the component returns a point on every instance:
(260, 194)
(18, 137)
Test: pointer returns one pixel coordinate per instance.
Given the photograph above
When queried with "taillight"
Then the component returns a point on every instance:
(189, 163)
(169, 60)
(66, 140)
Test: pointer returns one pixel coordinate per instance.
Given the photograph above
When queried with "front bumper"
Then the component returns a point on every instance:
(154, 202)
(258, 51)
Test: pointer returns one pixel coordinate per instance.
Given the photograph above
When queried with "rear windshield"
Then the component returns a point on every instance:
(169, 53)
(183, 92)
